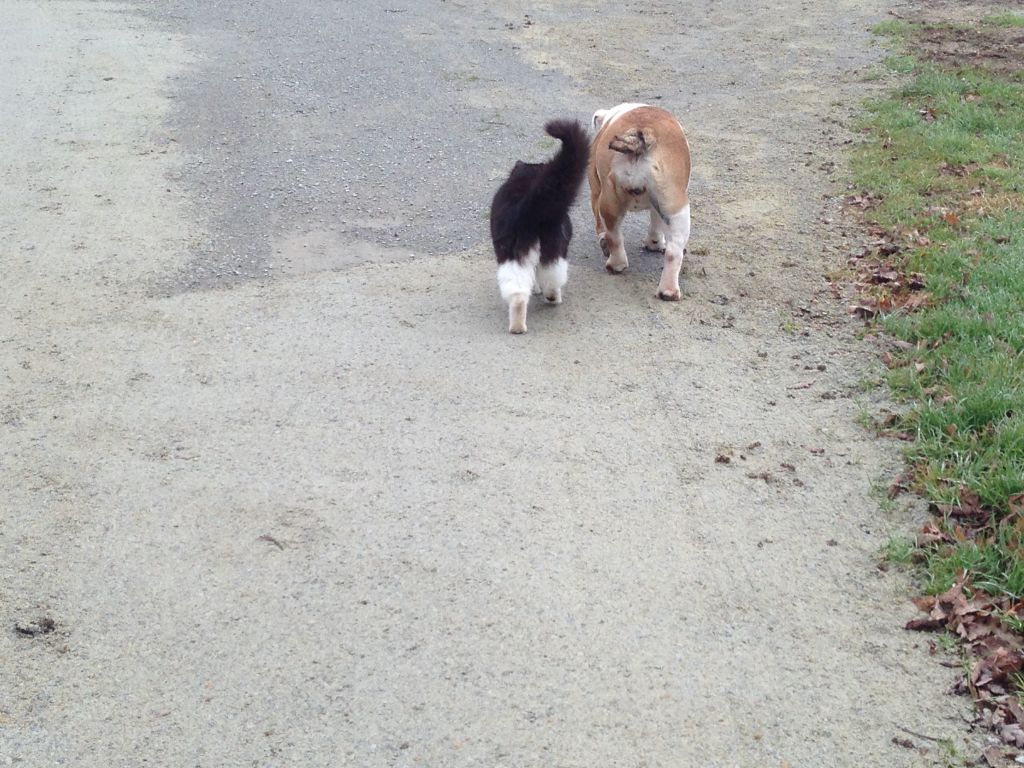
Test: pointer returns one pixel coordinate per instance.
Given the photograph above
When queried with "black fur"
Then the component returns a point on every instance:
(533, 204)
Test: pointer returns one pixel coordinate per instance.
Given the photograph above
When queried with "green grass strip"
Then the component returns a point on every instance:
(1006, 20)
(946, 155)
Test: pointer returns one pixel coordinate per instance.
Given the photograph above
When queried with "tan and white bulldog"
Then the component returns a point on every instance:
(640, 160)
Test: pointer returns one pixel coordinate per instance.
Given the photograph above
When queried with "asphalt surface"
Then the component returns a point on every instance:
(280, 490)
(375, 122)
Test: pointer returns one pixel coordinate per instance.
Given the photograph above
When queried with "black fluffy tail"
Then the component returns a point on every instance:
(555, 189)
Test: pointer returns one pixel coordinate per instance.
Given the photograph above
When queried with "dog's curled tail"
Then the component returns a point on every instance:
(635, 141)
(559, 184)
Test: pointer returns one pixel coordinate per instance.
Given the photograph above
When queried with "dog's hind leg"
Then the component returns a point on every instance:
(553, 270)
(552, 277)
(515, 281)
(611, 241)
(595, 200)
(678, 232)
(655, 240)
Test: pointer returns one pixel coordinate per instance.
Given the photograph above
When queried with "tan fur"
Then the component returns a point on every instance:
(639, 160)
(668, 151)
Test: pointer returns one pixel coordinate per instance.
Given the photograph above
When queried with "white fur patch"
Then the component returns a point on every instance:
(655, 233)
(551, 278)
(678, 232)
(678, 229)
(635, 173)
(517, 277)
(605, 117)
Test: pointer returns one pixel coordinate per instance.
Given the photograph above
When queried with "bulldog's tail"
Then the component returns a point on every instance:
(557, 185)
(635, 141)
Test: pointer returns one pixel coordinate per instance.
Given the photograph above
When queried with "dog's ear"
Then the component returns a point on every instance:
(598, 119)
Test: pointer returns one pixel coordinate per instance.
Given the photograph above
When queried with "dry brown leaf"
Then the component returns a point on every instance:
(1012, 734)
(925, 625)
(993, 757)
(917, 301)
(864, 310)
(930, 534)
(1016, 504)
(1014, 708)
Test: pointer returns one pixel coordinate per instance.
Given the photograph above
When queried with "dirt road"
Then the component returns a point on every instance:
(292, 496)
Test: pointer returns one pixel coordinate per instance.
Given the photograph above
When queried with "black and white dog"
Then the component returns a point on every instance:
(530, 225)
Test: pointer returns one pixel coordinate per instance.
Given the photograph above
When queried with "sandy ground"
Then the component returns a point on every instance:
(336, 516)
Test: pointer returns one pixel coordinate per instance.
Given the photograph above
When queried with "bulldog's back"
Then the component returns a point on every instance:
(639, 145)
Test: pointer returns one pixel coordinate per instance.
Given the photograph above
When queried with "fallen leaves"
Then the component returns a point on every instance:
(996, 651)
(962, 171)
(968, 509)
(881, 282)
(864, 310)
(988, 625)
(899, 485)
(864, 200)
(996, 756)
(736, 456)
(1016, 504)
(43, 625)
(931, 534)
(727, 453)
(802, 384)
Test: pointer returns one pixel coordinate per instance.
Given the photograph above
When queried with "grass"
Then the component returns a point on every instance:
(869, 382)
(899, 550)
(945, 154)
(893, 28)
(948, 643)
(1006, 20)
(951, 756)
